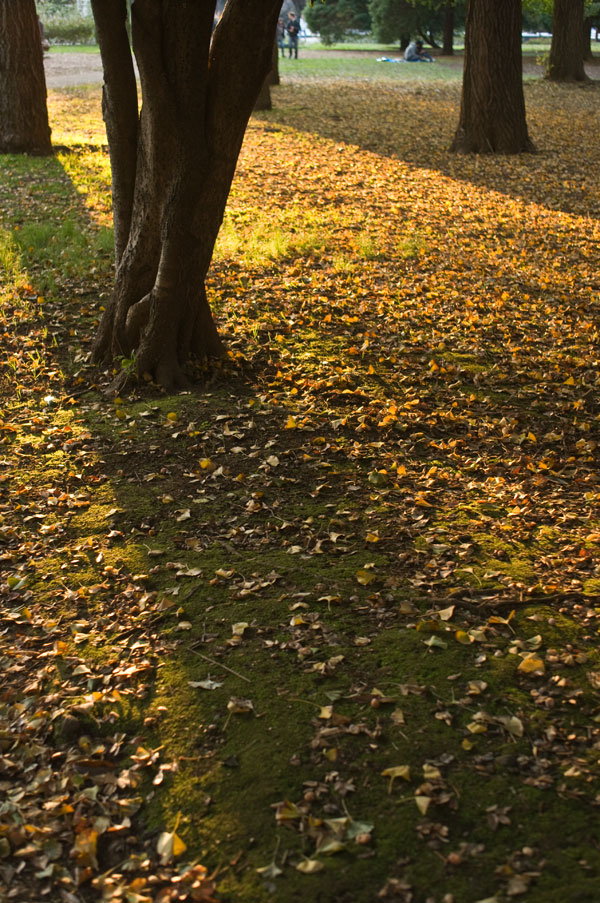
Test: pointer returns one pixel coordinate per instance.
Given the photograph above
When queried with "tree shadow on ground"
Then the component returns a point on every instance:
(415, 122)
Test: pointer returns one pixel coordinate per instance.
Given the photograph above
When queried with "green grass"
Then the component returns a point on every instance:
(73, 48)
(367, 69)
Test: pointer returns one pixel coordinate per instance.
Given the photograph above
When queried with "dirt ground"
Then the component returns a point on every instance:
(65, 69)
(68, 69)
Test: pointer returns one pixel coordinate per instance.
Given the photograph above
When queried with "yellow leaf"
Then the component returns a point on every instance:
(364, 577)
(397, 771)
(310, 866)
(532, 664)
(512, 724)
(397, 716)
(423, 803)
(569, 382)
(179, 846)
(206, 464)
(291, 423)
(372, 537)
(463, 637)
(172, 416)
(477, 727)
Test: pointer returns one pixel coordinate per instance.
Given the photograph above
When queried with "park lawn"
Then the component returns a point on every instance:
(326, 626)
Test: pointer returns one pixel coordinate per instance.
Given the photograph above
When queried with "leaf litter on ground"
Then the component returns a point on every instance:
(391, 512)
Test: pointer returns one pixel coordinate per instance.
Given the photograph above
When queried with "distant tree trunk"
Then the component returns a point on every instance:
(274, 73)
(263, 101)
(24, 124)
(492, 114)
(448, 42)
(173, 164)
(588, 55)
(567, 50)
(429, 38)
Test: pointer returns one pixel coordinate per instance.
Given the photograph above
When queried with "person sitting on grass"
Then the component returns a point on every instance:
(414, 53)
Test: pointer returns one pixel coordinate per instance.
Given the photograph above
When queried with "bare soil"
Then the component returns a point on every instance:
(66, 69)
(69, 69)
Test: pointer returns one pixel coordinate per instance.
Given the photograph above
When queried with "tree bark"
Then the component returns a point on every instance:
(492, 114)
(567, 47)
(448, 41)
(588, 55)
(263, 101)
(173, 164)
(274, 73)
(24, 124)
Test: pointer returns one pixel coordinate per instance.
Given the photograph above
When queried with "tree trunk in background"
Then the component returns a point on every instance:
(274, 73)
(492, 115)
(263, 101)
(448, 42)
(24, 124)
(588, 55)
(567, 49)
(173, 164)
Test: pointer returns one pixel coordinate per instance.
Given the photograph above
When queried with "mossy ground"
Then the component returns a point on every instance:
(369, 541)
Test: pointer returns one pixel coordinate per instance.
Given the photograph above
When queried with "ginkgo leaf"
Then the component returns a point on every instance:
(310, 866)
(531, 664)
(512, 724)
(423, 803)
(169, 845)
(364, 577)
(239, 706)
(436, 642)
(207, 684)
(239, 628)
(270, 871)
(397, 771)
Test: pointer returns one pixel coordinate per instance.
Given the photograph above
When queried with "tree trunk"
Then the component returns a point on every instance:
(263, 101)
(448, 42)
(274, 73)
(173, 164)
(566, 50)
(24, 124)
(492, 115)
(588, 55)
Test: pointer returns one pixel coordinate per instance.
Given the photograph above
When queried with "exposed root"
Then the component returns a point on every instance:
(137, 317)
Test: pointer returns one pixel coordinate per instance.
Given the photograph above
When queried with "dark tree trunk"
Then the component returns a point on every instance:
(274, 73)
(263, 101)
(567, 49)
(24, 124)
(173, 164)
(448, 41)
(492, 114)
(429, 38)
(588, 55)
